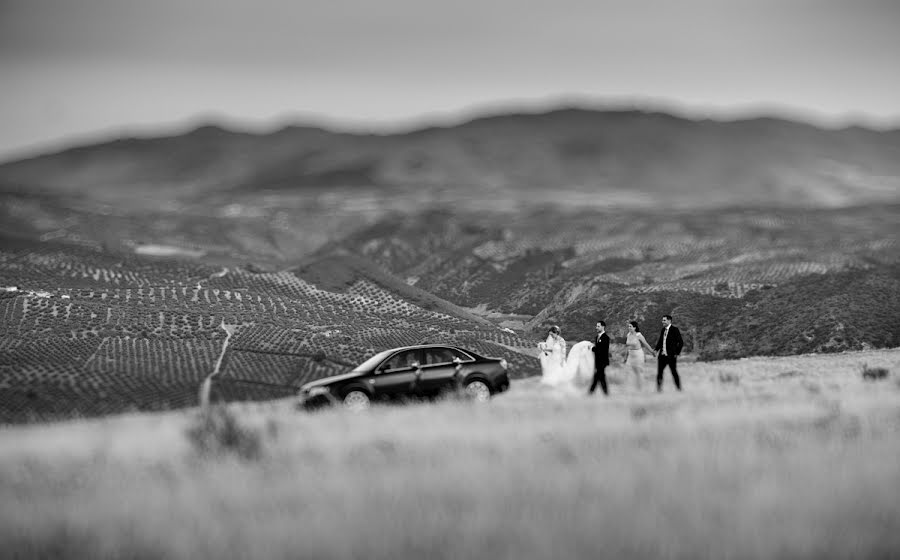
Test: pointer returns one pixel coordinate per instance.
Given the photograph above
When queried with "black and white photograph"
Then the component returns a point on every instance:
(407, 279)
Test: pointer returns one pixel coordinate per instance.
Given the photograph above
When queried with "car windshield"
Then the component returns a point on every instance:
(374, 361)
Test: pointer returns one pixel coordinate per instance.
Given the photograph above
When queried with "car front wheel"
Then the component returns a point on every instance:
(478, 390)
(357, 400)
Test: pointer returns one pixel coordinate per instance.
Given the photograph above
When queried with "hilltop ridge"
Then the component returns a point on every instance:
(633, 158)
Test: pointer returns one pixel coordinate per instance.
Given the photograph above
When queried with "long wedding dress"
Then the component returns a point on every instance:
(570, 373)
(579, 368)
(635, 344)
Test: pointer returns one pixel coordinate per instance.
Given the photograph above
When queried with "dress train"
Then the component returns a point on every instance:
(575, 373)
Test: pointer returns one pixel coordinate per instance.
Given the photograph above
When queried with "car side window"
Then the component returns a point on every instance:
(462, 356)
(400, 360)
(438, 356)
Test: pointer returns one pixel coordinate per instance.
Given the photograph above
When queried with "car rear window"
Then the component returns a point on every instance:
(439, 356)
(463, 355)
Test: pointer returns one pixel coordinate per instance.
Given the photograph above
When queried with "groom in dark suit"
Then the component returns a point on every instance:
(667, 349)
(601, 358)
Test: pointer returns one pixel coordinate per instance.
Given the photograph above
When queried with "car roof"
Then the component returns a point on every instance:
(419, 346)
(371, 362)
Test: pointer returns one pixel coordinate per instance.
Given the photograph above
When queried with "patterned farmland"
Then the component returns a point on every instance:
(80, 336)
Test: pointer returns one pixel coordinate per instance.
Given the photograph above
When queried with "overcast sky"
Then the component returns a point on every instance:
(74, 69)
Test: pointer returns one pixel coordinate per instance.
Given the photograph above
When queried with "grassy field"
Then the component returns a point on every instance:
(793, 457)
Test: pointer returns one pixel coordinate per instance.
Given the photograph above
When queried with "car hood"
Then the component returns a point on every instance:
(325, 381)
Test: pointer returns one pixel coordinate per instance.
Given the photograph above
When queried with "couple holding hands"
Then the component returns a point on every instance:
(587, 361)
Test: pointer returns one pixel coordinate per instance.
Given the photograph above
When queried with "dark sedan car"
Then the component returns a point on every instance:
(411, 371)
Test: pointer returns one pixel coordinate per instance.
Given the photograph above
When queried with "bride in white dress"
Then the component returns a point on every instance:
(553, 357)
(570, 373)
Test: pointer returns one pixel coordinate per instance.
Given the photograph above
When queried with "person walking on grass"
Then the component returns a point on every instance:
(634, 351)
(601, 359)
(668, 347)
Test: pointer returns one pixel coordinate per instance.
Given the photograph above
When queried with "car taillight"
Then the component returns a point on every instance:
(503, 363)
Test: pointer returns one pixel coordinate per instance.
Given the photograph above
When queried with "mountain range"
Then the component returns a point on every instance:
(628, 158)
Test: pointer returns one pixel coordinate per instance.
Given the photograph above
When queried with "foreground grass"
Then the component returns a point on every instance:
(790, 457)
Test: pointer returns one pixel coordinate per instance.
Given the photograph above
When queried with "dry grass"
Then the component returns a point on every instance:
(799, 459)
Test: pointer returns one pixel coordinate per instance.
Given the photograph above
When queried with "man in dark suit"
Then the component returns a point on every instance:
(601, 358)
(667, 349)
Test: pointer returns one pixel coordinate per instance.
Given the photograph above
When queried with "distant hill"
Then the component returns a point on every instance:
(741, 282)
(567, 156)
(851, 310)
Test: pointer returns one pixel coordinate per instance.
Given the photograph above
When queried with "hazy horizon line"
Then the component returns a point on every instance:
(454, 118)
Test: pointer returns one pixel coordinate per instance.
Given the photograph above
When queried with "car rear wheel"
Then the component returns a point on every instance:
(357, 400)
(478, 390)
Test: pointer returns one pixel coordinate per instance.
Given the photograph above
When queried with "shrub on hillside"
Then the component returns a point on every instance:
(217, 431)
(874, 373)
(729, 378)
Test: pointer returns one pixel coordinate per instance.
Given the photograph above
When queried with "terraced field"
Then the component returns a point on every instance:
(91, 332)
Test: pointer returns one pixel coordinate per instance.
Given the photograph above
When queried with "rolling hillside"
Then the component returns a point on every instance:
(740, 282)
(94, 327)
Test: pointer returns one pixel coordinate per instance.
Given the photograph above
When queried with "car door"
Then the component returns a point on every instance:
(397, 375)
(439, 368)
